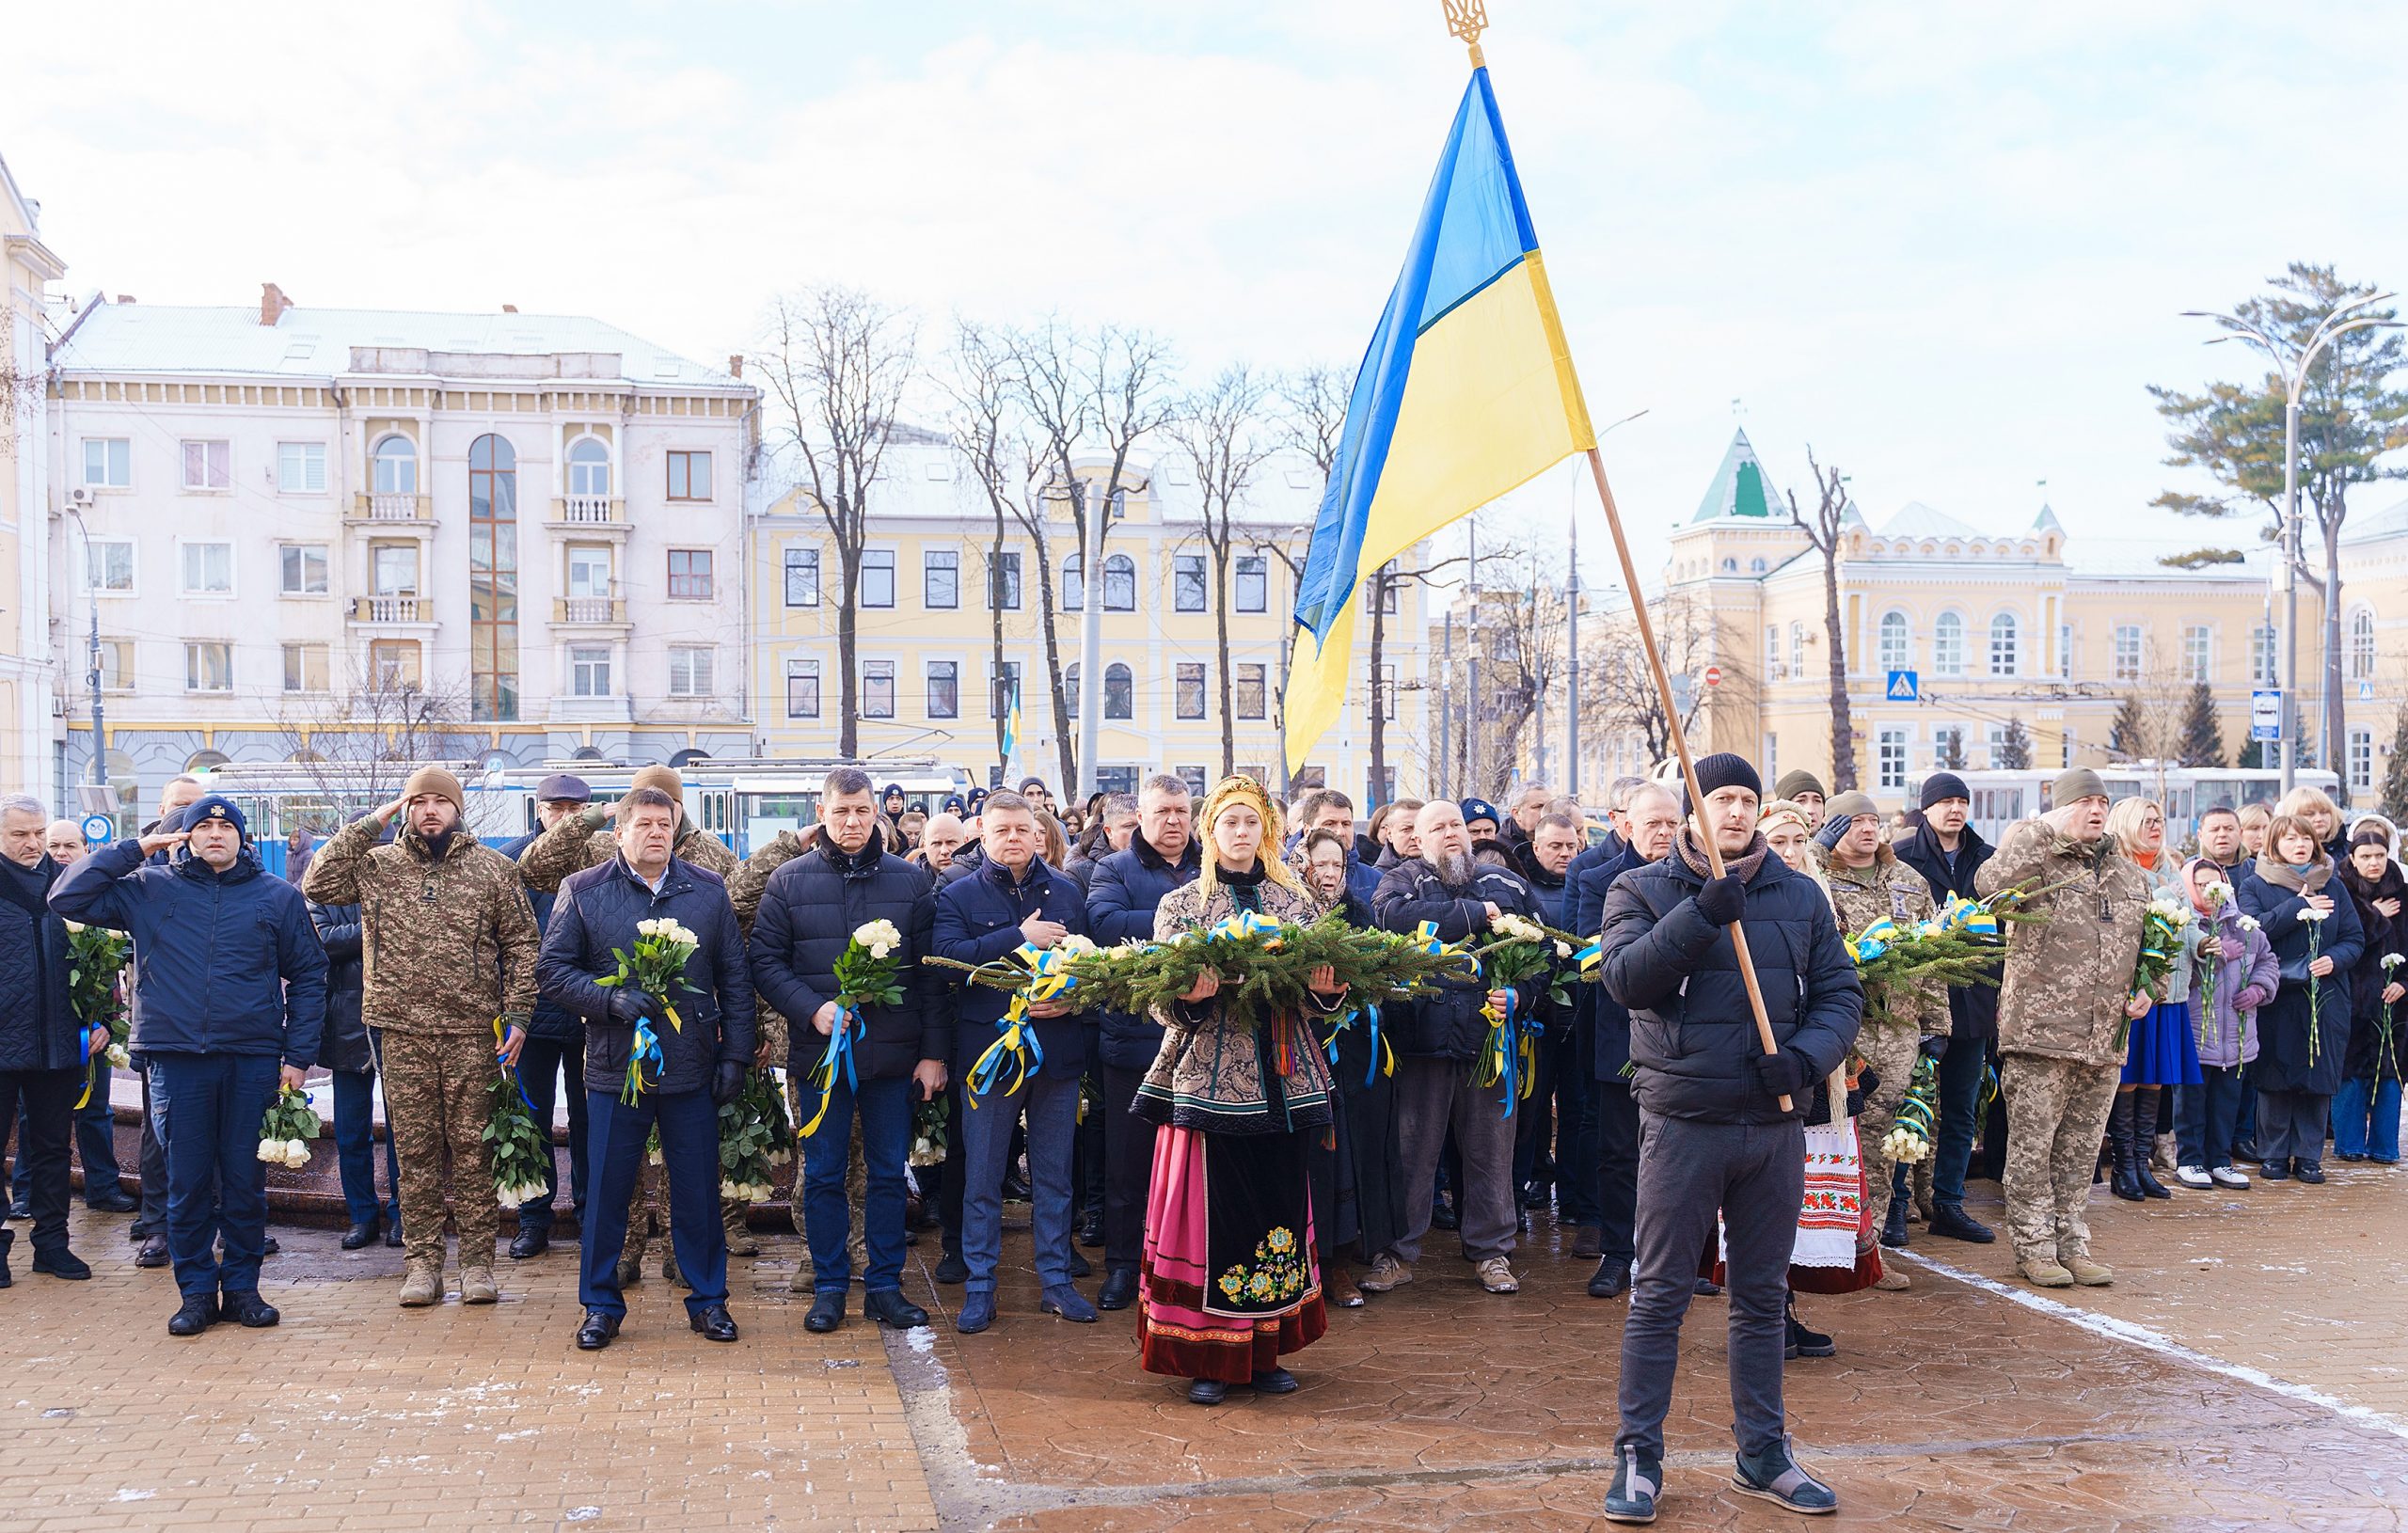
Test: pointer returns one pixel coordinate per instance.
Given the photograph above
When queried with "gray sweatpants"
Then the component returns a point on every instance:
(1755, 1174)
(1430, 1094)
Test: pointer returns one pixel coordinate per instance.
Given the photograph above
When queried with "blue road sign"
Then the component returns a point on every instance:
(1905, 687)
(99, 830)
(2266, 714)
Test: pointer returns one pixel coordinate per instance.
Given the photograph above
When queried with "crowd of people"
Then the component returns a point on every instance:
(1236, 1173)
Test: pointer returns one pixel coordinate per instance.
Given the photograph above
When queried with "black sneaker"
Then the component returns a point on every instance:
(1950, 1220)
(1775, 1477)
(110, 1199)
(61, 1262)
(1612, 1279)
(197, 1315)
(1638, 1481)
(952, 1269)
(1802, 1341)
(246, 1306)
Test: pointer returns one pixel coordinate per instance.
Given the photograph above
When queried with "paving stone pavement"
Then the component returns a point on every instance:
(2246, 1370)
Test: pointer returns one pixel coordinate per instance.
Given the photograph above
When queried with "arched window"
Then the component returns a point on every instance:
(1119, 690)
(1120, 583)
(201, 761)
(687, 757)
(2362, 644)
(2006, 655)
(1755, 566)
(587, 752)
(396, 465)
(493, 579)
(1070, 692)
(589, 467)
(1948, 645)
(1730, 565)
(1074, 585)
(1897, 644)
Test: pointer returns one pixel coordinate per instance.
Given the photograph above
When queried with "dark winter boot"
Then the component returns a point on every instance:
(2122, 1182)
(2144, 1141)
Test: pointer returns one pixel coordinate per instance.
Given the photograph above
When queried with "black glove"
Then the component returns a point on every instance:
(1936, 1047)
(1781, 1073)
(728, 1083)
(1722, 900)
(1828, 834)
(631, 1006)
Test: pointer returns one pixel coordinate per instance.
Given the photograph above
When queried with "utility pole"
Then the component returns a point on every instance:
(1471, 666)
(1447, 709)
(92, 672)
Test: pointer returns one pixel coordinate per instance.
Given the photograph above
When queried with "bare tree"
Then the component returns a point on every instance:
(1522, 637)
(1823, 532)
(1625, 700)
(983, 426)
(838, 363)
(1222, 430)
(359, 746)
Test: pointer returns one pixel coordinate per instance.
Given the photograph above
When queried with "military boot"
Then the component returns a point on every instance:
(477, 1286)
(742, 1242)
(2043, 1272)
(421, 1284)
(2089, 1274)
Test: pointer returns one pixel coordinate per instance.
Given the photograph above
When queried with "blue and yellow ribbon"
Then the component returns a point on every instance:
(500, 1041)
(641, 1050)
(1589, 959)
(839, 1056)
(1873, 940)
(1426, 935)
(1970, 917)
(1382, 1057)
(1015, 1047)
(83, 1043)
(1245, 925)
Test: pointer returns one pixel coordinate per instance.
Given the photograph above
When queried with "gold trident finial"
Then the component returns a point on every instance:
(1467, 20)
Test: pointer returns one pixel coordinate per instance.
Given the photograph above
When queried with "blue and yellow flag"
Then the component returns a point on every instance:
(1012, 728)
(1467, 391)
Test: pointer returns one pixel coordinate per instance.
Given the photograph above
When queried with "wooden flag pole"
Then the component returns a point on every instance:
(1681, 748)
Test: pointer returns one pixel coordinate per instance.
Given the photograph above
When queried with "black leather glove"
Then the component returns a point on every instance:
(1828, 834)
(1781, 1073)
(728, 1083)
(629, 1006)
(1936, 1047)
(1722, 900)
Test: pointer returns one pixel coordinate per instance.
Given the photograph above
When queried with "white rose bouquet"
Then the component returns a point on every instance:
(521, 1148)
(865, 976)
(657, 965)
(2164, 922)
(287, 1128)
(95, 957)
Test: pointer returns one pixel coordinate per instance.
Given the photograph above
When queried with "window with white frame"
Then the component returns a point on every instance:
(301, 467)
(944, 688)
(1189, 688)
(2006, 636)
(690, 669)
(802, 577)
(589, 571)
(1896, 643)
(108, 463)
(392, 568)
(803, 688)
(589, 468)
(878, 578)
(2064, 651)
(2263, 649)
(109, 568)
(878, 689)
(2198, 652)
(1993, 739)
(396, 465)
(2361, 647)
(209, 667)
(1253, 593)
(2127, 651)
(304, 568)
(1797, 649)
(117, 665)
(208, 569)
(1772, 652)
(1187, 582)
(588, 671)
(304, 668)
(208, 464)
(1890, 758)
(1120, 583)
(1772, 756)
(2361, 760)
(1948, 645)
(939, 580)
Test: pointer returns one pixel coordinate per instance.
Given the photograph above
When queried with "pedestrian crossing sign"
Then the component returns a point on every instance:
(1903, 687)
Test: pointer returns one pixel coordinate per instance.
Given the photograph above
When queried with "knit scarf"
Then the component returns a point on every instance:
(2298, 883)
(1742, 868)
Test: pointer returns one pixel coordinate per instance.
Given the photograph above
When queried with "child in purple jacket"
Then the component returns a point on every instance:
(2228, 969)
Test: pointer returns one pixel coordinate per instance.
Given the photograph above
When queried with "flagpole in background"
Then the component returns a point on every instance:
(1467, 18)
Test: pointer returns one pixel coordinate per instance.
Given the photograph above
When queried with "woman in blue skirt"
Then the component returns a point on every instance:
(2161, 1053)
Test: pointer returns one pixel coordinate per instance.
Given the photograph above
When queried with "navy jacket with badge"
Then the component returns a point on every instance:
(225, 963)
(809, 910)
(978, 920)
(1447, 1022)
(595, 912)
(1122, 897)
(1691, 1029)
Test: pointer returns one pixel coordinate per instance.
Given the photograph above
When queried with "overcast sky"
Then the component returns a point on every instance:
(1946, 246)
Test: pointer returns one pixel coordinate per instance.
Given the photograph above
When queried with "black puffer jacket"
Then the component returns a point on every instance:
(548, 1021)
(596, 910)
(1446, 1023)
(1122, 897)
(343, 1045)
(38, 1026)
(809, 911)
(1972, 1010)
(1691, 1029)
(1604, 1020)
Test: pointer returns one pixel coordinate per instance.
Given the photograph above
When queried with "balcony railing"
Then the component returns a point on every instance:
(392, 508)
(392, 609)
(589, 510)
(589, 610)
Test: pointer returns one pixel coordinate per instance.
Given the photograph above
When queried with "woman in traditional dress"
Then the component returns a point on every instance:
(1230, 1282)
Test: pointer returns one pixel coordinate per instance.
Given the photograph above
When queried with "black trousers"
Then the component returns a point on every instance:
(47, 1099)
(1618, 1169)
(1128, 1170)
(542, 1062)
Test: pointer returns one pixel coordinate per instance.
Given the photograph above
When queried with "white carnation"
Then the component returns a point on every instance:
(2312, 913)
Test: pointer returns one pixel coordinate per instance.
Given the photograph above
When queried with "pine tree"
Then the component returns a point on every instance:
(1952, 749)
(2202, 735)
(2125, 735)
(2395, 781)
(2252, 757)
(2014, 749)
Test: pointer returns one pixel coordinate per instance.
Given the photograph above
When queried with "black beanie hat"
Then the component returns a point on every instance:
(1726, 769)
(1940, 788)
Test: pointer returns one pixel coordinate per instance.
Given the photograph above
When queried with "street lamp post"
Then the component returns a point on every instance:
(92, 672)
(2294, 380)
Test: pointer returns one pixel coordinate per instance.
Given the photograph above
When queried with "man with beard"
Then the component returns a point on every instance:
(1438, 1037)
(1948, 852)
(1714, 1131)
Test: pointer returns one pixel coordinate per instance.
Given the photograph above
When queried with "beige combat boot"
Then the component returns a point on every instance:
(421, 1284)
(477, 1286)
(742, 1242)
(2043, 1272)
(2089, 1274)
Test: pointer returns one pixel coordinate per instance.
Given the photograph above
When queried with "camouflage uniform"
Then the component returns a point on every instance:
(2061, 1006)
(447, 944)
(1897, 1022)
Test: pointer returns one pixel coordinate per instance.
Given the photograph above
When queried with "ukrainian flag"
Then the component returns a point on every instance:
(1467, 391)
(1012, 730)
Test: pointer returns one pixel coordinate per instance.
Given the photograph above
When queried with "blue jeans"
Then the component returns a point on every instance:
(95, 1142)
(885, 1109)
(2356, 1103)
(208, 1107)
(542, 1063)
(1961, 1070)
(356, 1150)
(1051, 1099)
(689, 1124)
